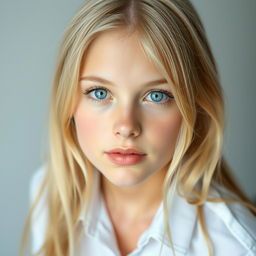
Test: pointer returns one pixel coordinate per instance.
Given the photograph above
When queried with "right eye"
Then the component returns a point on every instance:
(97, 93)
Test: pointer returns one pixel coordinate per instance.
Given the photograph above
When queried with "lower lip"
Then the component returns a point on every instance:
(125, 159)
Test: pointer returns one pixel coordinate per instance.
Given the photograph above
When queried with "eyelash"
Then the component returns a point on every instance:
(168, 94)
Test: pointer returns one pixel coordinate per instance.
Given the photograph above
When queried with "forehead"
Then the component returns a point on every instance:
(116, 52)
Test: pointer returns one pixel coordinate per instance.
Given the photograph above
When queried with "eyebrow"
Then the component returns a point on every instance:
(105, 81)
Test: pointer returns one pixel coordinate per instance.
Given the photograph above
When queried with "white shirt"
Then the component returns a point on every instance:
(231, 227)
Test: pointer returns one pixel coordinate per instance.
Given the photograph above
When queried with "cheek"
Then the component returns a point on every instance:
(87, 128)
(164, 132)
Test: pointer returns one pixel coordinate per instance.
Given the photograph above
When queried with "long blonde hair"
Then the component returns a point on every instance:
(173, 38)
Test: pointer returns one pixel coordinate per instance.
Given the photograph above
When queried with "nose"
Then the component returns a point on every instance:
(127, 125)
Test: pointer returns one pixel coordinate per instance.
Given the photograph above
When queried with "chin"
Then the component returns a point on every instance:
(127, 180)
(126, 185)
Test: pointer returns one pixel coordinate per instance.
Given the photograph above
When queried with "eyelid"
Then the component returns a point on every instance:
(87, 91)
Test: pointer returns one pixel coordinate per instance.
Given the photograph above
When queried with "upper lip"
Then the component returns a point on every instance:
(126, 151)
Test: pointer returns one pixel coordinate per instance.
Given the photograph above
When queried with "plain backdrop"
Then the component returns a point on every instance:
(30, 36)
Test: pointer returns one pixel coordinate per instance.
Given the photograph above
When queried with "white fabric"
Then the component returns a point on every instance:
(231, 227)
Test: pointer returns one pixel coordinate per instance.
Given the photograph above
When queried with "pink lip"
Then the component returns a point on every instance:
(126, 151)
(130, 159)
(128, 156)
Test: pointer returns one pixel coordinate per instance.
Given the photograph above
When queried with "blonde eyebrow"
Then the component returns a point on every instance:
(105, 81)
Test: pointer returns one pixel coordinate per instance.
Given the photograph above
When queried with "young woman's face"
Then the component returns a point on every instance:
(128, 109)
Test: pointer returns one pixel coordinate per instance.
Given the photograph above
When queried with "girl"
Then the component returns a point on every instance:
(135, 165)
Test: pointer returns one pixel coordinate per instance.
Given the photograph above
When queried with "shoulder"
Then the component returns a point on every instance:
(36, 181)
(39, 215)
(231, 226)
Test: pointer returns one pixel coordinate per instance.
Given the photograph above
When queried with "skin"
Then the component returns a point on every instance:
(127, 117)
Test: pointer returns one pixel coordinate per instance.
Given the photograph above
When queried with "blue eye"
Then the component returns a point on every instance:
(99, 94)
(157, 96)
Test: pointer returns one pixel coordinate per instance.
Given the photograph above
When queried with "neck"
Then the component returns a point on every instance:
(136, 203)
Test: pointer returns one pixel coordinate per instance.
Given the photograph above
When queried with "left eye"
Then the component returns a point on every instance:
(158, 96)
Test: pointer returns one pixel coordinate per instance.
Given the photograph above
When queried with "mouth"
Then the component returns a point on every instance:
(125, 159)
(126, 151)
(128, 156)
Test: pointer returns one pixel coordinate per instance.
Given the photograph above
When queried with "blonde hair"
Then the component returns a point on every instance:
(173, 38)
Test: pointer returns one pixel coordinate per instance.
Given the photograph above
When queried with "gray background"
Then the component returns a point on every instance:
(30, 35)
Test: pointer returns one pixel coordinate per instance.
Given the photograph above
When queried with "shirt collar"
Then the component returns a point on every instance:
(182, 219)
